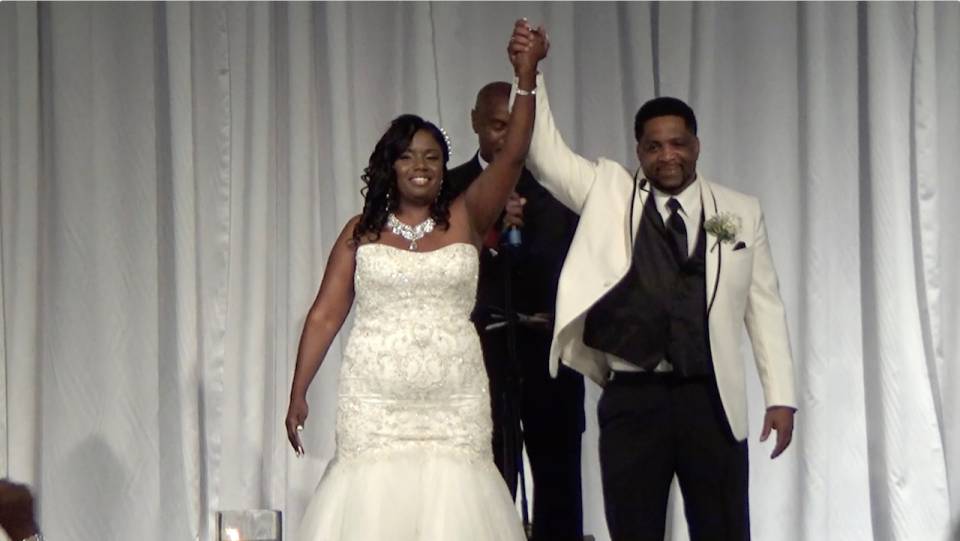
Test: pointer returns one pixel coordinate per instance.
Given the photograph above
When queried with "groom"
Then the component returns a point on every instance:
(663, 269)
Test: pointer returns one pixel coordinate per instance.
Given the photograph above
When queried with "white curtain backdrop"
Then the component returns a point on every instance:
(172, 177)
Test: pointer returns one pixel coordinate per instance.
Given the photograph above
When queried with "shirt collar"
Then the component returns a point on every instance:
(484, 163)
(689, 199)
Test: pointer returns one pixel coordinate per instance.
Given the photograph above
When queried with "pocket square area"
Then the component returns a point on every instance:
(739, 246)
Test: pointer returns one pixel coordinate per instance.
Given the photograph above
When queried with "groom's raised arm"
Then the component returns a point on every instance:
(563, 172)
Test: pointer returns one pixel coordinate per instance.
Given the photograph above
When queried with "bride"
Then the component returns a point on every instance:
(413, 459)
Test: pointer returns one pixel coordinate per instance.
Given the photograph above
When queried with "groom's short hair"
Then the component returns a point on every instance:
(664, 106)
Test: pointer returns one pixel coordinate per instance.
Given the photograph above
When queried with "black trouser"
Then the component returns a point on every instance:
(552, 414)
(655, 426)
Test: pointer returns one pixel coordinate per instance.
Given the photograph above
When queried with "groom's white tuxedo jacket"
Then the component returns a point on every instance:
(741, 283)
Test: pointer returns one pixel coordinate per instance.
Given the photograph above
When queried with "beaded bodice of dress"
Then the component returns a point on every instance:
(412, 375)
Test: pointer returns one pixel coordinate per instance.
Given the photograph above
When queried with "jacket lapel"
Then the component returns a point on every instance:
(714, 248)
(639, 202)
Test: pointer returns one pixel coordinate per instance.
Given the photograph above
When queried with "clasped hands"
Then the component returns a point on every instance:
(528, 45)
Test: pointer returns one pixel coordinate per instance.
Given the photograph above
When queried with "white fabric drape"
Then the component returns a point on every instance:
(173, 175)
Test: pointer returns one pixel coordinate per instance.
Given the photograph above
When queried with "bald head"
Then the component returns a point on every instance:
(490, 116)
(493, 94)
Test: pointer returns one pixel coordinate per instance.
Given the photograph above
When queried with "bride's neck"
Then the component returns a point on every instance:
(412, 214)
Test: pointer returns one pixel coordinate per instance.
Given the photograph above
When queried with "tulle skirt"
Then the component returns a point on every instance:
(411, 496)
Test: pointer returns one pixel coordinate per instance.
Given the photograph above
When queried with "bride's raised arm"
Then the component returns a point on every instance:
(487, 195)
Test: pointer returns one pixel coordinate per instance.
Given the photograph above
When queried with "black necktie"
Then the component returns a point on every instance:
(677, 229)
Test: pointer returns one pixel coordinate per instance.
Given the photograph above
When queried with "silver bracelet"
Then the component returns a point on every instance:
(531, 92)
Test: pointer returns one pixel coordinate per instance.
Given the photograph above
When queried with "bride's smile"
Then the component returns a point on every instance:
(419, 168)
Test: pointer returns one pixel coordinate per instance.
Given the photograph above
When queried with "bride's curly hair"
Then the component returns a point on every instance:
(380, 196)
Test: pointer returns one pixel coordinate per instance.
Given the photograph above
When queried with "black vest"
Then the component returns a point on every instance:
(658, 310)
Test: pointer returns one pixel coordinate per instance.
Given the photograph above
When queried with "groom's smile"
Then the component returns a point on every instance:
(668, 153)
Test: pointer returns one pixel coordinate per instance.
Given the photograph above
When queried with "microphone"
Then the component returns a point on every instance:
(514, 238)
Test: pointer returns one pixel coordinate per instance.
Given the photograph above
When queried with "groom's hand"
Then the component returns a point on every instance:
(779, 418)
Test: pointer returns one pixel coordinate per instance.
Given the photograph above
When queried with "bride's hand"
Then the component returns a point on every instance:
(296, 416)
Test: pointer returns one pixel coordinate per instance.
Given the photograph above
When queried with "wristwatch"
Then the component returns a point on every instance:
(35, 537)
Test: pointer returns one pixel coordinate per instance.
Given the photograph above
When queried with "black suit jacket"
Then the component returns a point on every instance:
(535, 265)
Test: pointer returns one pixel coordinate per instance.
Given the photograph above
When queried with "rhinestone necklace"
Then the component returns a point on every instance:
(411, 233)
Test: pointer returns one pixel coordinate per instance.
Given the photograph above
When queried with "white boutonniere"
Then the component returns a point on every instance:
(723, 225)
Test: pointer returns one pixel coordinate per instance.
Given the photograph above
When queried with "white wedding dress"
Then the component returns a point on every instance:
(413, 459)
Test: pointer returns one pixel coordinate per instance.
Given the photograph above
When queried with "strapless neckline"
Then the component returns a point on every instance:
(444, 247)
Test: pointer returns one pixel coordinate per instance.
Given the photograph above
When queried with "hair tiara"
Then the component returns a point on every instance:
(446, 139)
